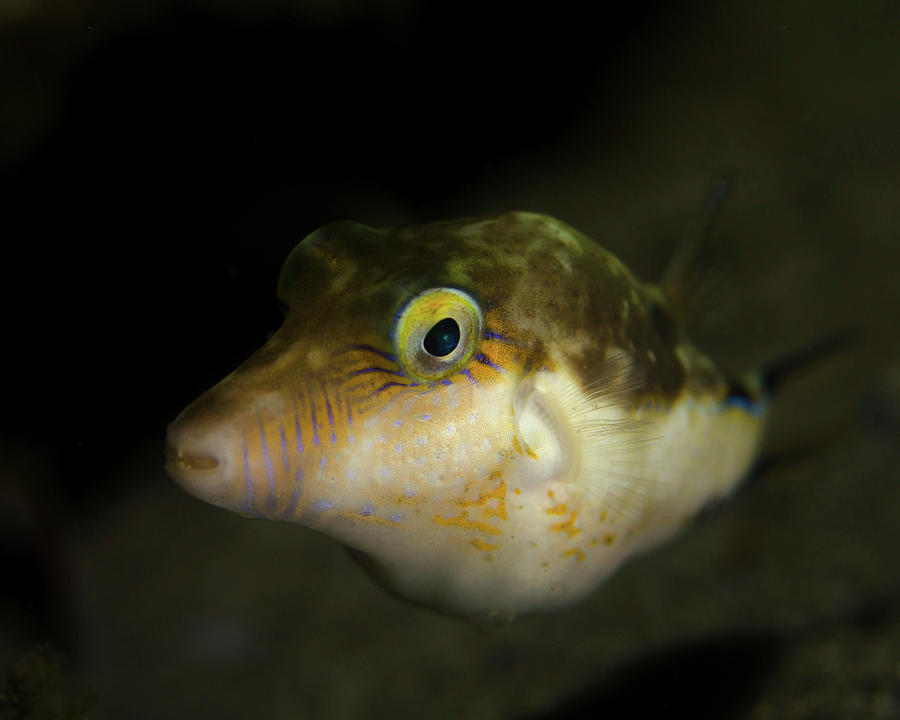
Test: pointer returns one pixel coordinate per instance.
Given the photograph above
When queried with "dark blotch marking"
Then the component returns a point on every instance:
(663, 322)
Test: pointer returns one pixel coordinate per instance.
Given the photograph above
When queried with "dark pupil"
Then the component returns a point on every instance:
(442, 339)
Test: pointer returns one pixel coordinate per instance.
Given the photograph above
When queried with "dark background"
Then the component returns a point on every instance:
(159, 160)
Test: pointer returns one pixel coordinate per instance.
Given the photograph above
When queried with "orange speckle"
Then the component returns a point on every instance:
(517, 491)
(516, 445)
(550, 494)
(499, 509)
(567, 526)
(579, 556)
(493, 503)
(416, 499)
(603, 516)
(609, 539)
(557, 509)
(464, 522)
(482, 545)
(531, 453)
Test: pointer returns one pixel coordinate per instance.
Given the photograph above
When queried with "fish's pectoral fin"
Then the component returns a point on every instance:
(585, 436)
(617, 472)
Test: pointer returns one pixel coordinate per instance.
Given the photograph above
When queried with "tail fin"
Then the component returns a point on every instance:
(774, 373)
(755, 386)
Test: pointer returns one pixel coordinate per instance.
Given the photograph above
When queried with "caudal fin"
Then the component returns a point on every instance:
(774, 373)
(755, 387)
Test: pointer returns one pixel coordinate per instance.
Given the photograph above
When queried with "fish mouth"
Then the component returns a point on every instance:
(197, 458)
(213, 452)
(177, 461)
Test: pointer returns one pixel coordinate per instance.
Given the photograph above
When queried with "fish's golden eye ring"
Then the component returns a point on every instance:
(437, 333)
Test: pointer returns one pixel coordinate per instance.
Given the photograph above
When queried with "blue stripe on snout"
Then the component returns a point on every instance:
(270, 501)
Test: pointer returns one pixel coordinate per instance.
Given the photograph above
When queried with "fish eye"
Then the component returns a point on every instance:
(442, 339)
(437, 332)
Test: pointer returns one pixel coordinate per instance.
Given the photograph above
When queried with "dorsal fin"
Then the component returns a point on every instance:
(682, 278)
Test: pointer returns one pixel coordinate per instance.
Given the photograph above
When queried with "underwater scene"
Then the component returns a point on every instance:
(465, 360)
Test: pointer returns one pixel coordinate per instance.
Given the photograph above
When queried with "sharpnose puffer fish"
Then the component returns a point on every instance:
(493, 413)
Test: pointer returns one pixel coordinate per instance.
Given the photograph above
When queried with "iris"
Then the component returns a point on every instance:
(442, 339)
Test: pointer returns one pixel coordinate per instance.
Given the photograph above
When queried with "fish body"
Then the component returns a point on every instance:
(494, 413)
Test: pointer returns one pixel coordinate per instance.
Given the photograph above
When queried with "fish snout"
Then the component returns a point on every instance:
(202, 455)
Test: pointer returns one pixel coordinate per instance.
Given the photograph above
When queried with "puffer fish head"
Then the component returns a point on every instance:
(451, 401)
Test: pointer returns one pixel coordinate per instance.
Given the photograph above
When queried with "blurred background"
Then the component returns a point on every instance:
(159, 159)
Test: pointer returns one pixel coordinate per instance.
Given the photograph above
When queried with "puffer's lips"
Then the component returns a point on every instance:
(176, 461)
(199, 457)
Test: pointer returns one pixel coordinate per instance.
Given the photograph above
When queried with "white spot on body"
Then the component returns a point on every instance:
(317, 358)
(342, 279)
(461, 454)
(563, 259)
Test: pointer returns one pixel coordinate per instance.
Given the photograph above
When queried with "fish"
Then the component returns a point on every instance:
(492, 414)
